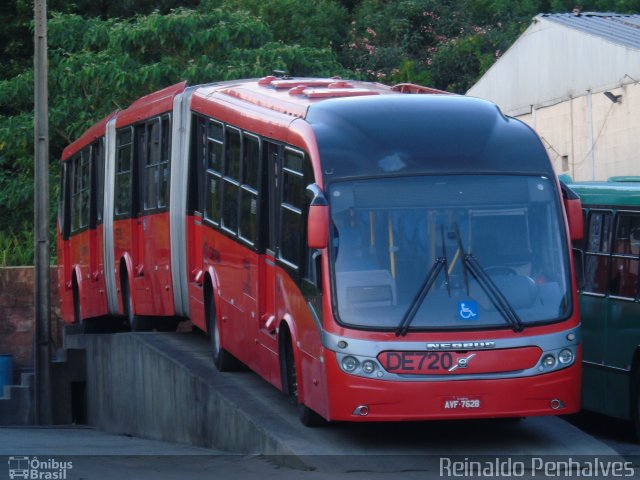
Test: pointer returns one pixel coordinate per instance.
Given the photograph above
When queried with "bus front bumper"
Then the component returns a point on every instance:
(354, 398)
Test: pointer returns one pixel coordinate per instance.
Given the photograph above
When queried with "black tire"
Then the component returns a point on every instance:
(223, 360)
(137, 323)
(307, 417)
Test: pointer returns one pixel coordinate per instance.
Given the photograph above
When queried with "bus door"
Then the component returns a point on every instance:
(205, 153)
(96, 261)
(267, 321)
(135, 246)
(154, 243)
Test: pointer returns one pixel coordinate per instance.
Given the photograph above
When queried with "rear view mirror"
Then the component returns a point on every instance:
(318, 219)
(573, 208)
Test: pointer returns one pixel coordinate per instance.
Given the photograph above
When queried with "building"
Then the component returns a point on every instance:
(575, 78)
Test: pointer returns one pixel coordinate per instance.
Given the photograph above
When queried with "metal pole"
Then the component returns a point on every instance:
(41, 219)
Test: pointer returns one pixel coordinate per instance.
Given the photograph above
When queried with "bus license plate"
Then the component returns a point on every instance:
(462, 403)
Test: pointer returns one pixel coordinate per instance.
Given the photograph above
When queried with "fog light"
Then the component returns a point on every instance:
(349, 364)
(549, 361)
(368, 366)
(566, 356)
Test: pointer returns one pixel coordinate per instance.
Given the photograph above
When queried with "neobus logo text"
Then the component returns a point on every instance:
(460, 345)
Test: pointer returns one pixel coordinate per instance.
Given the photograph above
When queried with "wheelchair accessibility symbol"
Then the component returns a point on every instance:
(468, 310)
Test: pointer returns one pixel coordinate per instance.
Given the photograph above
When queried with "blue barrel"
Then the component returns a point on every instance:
(6, 371)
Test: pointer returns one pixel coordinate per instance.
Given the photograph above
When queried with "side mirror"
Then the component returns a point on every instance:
(318, 218)
(573, 208)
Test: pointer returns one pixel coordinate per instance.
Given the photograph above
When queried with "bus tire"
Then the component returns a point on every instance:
(137, 323)
(223, 360)
(307, 417)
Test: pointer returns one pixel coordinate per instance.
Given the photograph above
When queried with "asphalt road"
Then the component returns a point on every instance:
(95, 455)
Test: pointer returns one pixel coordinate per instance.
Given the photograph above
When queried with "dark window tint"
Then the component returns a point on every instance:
(623, 280)
(251, 161)
(63, 200)
(599, 232)
(596, 269)
(248, 214)
(156, 170)
(80, 195)
(292, 208)
(230, 206)
(124, 154)
(596, 262)
(98, 162)
(232, 147)
(213, 195)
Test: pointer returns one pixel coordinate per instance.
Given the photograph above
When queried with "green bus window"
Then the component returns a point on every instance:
(623, 280)
(596, 266)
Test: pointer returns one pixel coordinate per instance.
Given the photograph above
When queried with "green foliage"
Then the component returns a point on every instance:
(320, 23)
(17, 249)
(99, 65)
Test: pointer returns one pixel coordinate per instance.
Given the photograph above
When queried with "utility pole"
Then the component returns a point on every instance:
(43, 406)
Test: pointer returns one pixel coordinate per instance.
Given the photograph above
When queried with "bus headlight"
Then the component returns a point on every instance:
(349, 363)
(565, 357)
(368, 366)
(549, 361)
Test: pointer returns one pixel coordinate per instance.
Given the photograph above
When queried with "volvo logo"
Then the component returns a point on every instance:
(463, 362)
(460, 345)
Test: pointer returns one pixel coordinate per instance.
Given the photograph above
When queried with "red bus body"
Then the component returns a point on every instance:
(177, 232)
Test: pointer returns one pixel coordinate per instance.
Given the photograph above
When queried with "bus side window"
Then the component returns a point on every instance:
(156, 163)
(249, 189)
(291, 236)
(596, 267)
(231, 180)
(80, 192)
(97, 162)
(213, 154)
(124, 152)
(63, 200)
(625, 253)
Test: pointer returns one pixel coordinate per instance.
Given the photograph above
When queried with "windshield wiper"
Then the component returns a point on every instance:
(490, 288)
(434, 271)
(493, 292)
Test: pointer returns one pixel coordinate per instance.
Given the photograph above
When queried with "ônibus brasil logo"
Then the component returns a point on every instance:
(37, 469)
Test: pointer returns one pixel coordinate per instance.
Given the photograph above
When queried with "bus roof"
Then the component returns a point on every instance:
(423, 134)
(617, 191)
(294, 96)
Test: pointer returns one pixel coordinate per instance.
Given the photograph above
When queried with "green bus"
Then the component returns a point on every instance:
(608, 263)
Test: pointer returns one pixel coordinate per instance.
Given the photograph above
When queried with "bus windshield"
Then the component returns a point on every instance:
(388, 234)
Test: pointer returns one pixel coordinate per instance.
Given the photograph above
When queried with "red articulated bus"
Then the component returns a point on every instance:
(378, 253)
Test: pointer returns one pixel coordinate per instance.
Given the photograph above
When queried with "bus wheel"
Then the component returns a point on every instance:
(308, 417)
(136, 322)
(223, 360)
